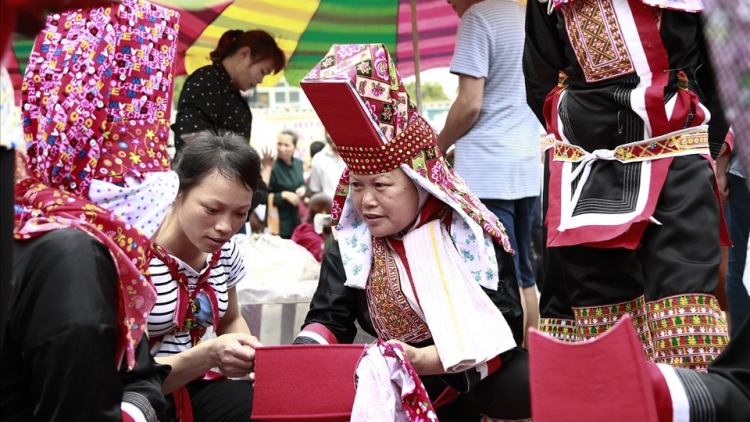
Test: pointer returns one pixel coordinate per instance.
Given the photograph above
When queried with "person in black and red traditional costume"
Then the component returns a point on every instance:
(419, 260)
(634, 225)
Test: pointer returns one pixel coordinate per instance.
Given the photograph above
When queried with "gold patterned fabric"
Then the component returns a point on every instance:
(689, 330)
(392, 316)
(597, 39)
(678, 143)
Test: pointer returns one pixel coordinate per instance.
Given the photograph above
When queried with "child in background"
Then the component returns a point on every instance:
(306, 234)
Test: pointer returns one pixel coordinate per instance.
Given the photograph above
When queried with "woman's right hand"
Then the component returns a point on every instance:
(234, 354)
(266, 159)
(290, 197)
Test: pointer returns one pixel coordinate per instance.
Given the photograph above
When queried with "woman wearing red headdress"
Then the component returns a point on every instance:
(419, 261)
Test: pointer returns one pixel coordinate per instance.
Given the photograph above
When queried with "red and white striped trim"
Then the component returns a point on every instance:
(131, 413)
(318, 333)
(680, 403)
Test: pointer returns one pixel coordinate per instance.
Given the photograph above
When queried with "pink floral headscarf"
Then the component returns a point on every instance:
(96, 111)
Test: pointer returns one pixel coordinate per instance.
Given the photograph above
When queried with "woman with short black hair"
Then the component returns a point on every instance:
(195, 269)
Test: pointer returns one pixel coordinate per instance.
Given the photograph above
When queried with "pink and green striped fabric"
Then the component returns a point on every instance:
(305, 30)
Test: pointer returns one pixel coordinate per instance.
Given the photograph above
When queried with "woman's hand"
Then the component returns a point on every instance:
(266, 158)
(234, 354)
(290, 197)
(414, 355)
(300, 191)
(424, 360)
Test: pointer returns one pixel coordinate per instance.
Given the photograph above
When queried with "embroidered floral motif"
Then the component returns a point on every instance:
(386, 114)
(381, 63)
(377, 91)
(593, 321)
(348, 50)
(689, 330)
(561, 329)
(327, 62)
(364, 68)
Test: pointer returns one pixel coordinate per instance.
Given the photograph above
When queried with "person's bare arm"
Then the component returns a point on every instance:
(233, 322)
(464, 111)
(266, 163)
(233, 351)
(722, 165)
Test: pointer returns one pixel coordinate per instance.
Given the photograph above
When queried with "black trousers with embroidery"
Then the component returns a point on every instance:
(680, 256)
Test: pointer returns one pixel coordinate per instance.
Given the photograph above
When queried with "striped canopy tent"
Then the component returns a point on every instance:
(305, 31)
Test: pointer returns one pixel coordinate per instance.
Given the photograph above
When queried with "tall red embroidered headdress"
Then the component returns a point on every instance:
(96, 111)
(361, 100)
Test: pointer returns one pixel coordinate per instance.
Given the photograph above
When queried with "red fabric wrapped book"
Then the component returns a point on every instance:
(312, 383)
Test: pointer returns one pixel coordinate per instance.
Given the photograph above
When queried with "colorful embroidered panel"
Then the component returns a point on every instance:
(682, 5)
(392, 316)
(369, 68)
(692, 141)
(597, 40)
(689, 331)
(559, 328)
(593, 321)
